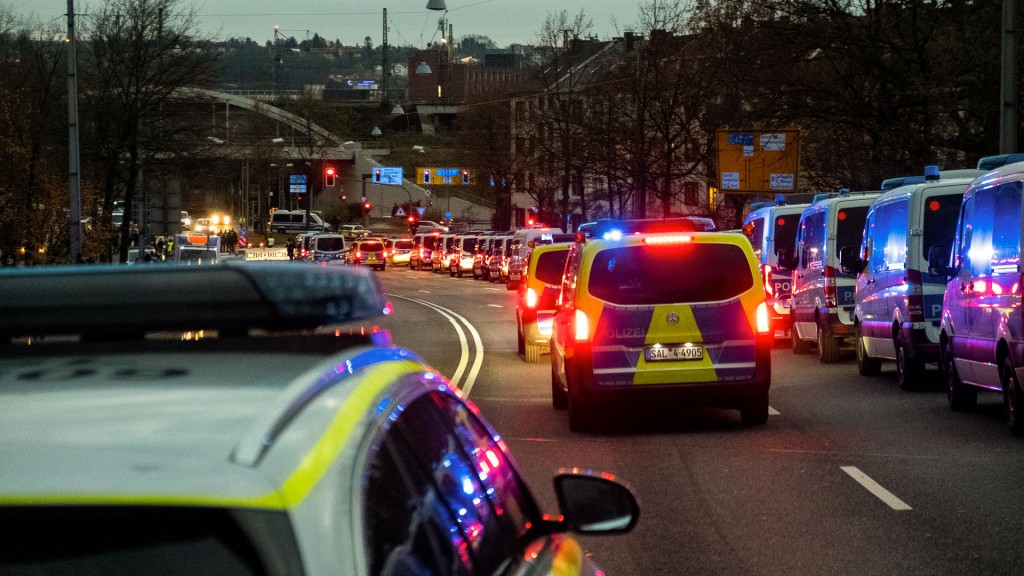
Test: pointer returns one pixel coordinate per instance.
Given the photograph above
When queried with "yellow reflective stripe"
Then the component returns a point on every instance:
(298, 485)
(315, 464)
(568, 560)
(271, 501)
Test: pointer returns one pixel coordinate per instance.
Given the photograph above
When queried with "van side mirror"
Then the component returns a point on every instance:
(938, 264)
(849, 260)
(787, 260)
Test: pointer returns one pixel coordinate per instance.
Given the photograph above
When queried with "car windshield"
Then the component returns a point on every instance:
(550, 266)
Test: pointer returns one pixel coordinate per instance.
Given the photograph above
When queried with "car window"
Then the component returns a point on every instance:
(784, 232)
(403, 244)
(371, 246)
(757, 236)
(330, 244)
(696, 272)
(940, 214)
(812, 234)
(161, 541)
(550, 266)
(444, 497)
(850, 227)
(889, 237)
(994, 242)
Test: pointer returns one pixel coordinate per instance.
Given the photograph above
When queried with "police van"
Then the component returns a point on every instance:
(770, 229)
(898, 304)
(981, 341)
(822, 300)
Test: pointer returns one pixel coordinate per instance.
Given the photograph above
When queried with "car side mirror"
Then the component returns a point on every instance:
(595, 503)
(938, 264)
(849, 260)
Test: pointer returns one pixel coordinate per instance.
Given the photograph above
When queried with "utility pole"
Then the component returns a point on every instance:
(75, 209)
(385, 72)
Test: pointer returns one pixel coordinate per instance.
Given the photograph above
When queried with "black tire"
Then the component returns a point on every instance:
(828, 348)
(961, 397)
(755, 413)
(866, 365)
(582, 417)
(559, 396)
(459, 271)
(520, 341)
(451, 273)
(1013, 398)
(909, 370)
(799, 346)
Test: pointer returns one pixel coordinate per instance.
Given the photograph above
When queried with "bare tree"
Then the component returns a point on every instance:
(139, 53)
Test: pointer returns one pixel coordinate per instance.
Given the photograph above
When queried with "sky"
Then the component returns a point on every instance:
(409, 22)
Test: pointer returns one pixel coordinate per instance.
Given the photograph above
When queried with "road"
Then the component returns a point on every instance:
(851, 475)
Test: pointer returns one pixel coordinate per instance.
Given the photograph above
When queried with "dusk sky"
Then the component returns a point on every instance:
(410, 23)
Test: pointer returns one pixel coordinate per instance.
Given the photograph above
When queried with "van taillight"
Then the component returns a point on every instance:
(766, 276)
(582, 329)
(531, 298)
(359, 254)
(830, 287)
(764, 325)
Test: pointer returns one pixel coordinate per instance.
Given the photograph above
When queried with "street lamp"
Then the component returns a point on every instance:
(398, 110)
(375, 132)
(423, 68)
(436, 5)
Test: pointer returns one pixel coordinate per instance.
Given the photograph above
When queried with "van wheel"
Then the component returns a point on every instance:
(799, 346)
(961, 397)
(1013, 400)
(520, 340)
(755, 412)
(909, 370)
(582, 417)
(559, 397)
(866, 365)
(451, 273)
(828, 348)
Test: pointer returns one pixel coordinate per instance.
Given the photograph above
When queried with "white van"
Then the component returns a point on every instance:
(284, 221)
(822, 300)
(327, 249)
(772, 229)
(898, 304)
(519, 258)
(981, 341)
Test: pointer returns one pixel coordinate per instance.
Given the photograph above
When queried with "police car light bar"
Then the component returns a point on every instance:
(120, 302)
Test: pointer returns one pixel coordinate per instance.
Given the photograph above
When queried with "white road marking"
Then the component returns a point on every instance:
(875, 488)
(424, 291)
(478, 361)
(494, 289)
(773, 412)
(495, 306)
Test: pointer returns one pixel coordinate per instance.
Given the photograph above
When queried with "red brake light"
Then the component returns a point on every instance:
(359, 254)
(582, 331)
(764, 325)
(668, 239)
(766, 274)
(830, 287)
(531, 298)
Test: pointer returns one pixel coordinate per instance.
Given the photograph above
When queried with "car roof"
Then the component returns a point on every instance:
(174, 420)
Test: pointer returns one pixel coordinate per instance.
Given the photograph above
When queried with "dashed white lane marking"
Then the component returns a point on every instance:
(495, 306)
(493, 289)
(773, 412)
(875, 488)
(424, 291)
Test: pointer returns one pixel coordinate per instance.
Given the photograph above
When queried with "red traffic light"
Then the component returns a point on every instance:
(366, 206)
(412, 219)
(330, 171)
(329, 174)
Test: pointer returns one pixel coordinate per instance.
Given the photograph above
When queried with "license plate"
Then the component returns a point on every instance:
(371, 259)
(785, 303)
(673, 353)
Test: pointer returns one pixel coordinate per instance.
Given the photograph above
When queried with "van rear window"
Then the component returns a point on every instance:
(784, 234)
(550, 266)
(330, 244)
(850, 226)
(940, 216)
(404, 244)
(694, 272)
(371, 246)
(428, 241)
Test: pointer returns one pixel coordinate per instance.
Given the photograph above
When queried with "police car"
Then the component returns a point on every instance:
(537, 298)
(772, 230)
(250, 432)
(675, 317)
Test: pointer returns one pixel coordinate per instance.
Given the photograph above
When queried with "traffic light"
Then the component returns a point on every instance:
(426, 175)
(376, 175)
(465, 176)
(329, 176)
(366, 206)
